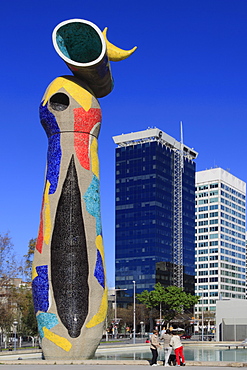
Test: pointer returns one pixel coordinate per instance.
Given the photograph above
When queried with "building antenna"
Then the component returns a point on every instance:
(181, 132)
(181, 144)
(178, 213)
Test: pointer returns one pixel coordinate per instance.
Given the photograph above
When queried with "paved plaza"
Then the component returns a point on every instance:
(107, 367)
(31, 359)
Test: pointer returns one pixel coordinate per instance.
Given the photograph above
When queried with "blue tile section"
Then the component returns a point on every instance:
(40, 288)
(49, 320)
(99, 270)
(54, 154)
(92, 200)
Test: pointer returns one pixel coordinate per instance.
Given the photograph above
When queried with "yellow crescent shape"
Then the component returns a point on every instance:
(116, 54)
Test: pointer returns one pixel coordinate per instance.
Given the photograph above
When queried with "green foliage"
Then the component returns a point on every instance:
(173, 300)
(28, 260)
(29, 322)
(15, 299)
(26, 312)
(9, 270)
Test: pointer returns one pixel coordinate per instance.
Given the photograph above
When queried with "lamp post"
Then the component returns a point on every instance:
(106, 327)
(134, 313)
(161, 322)
(202, 313)
(15, 323)
(142, 328)
(115, 309)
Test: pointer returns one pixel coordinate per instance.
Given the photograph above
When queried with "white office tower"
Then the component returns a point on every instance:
(220, 240)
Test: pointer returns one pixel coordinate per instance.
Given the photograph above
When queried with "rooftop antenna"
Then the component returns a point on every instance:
(178, 213)
(181, 144)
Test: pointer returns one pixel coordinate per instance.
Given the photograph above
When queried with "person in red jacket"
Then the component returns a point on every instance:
(176, 344)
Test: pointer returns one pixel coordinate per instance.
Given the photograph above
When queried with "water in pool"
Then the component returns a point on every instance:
(191, 354)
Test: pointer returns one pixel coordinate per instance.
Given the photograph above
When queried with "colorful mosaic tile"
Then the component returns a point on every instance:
(54, 154)
(57, 339)
(40, 288)
(99, 270)
(84, 123)
(48, 320)
(92, 200)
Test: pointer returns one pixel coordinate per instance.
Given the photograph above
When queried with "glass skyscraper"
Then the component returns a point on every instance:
(155, 211)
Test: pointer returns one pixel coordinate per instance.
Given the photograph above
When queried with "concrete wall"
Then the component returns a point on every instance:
(231, 320)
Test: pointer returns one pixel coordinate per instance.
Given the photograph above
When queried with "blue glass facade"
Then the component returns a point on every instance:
(144, 217)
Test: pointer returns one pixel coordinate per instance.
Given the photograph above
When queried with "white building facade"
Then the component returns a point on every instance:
(220, 239)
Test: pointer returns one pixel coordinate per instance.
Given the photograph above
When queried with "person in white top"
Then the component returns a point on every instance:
(166, 336)
(176, 344)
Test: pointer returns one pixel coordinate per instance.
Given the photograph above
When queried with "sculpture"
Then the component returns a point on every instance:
(68, 279)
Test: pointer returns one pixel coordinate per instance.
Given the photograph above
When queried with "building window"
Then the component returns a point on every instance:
(213, 258)
(203, 187)
(203, 272)
(203, 230)
(213, 236)
(213, 287)
(213, 200)
(213, 280)
(214, 264)
(214, 228)
(213, 272)
(203, 215)
(213, 186)
(213, 294)
(214, 206)
(204, 244)
(203, 201)
(213, 214)
(202, 209)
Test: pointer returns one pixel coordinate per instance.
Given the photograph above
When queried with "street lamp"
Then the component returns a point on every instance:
(202, 313)
(134, 313)
(116, 321)
(142, 329)
(15, 323)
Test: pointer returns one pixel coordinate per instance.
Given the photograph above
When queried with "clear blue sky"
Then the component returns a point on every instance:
(190, 65)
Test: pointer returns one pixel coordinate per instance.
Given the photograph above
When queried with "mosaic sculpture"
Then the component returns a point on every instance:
(69, 280)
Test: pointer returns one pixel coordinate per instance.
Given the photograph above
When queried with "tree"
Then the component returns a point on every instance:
(25, 311)
(9, 270)
(127, 315)
(176, 301)
(25, 301)
(15, 297)
(28, 260)
(170, 300)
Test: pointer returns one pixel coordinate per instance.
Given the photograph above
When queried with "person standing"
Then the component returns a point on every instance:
(163, 331)
(154, 345)
(166, 336)
(176, 344)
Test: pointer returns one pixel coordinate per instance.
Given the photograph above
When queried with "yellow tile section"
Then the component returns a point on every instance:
(94, 157)
(59, 341)
(101, 314)
(34, 272)
(100, 247)
(82, 96)
(47, 215)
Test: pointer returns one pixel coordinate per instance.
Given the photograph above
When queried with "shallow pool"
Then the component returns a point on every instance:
(191, 354)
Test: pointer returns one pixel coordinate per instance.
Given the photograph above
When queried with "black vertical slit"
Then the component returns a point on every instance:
(69, 260)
